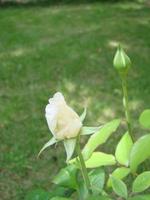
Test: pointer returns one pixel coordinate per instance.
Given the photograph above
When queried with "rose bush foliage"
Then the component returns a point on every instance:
(88, 175)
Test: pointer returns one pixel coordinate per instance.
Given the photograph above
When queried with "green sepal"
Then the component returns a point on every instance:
(69, 145)
(83, 115)
(87, 130)
(49, 143)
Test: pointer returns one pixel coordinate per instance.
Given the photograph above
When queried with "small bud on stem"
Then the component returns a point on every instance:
(121, 61)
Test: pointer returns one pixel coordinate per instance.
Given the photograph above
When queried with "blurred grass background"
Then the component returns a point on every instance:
(65, 47)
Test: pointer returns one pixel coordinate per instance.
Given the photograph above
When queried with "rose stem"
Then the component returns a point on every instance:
(126, 105)
(83, 166)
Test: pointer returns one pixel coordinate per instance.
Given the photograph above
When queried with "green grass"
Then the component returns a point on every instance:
(66, 48)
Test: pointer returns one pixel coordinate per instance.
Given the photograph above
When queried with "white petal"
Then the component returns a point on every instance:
(51, 116)
(62, 120)
(52, 123)
(59, 98)
(59, 95)
(51, 109)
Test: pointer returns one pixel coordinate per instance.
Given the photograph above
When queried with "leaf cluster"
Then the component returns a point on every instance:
(126, 160)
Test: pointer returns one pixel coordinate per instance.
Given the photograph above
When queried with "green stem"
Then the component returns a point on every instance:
(126, 105)
(83, 167)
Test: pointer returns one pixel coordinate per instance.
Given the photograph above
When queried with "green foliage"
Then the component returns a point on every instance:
(60, 191)
(145, 118)
(142, 182)
(98, 197)
(127, 154)
(98, 159)
(100, 137)
(41, 194)
(97, 180)
(44, 48)
(67, 177)
(140, 197)
(83, 192)
(119, 187)
(59, 198)
(140, 151)
(118, 173)
(38, 194)
(123, 149)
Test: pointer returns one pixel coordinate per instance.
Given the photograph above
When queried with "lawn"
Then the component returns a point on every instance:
(67, 48)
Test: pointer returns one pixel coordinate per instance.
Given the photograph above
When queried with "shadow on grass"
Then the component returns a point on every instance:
(45, 3)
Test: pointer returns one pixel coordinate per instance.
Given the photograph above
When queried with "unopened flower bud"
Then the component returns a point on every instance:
(63, 121)
(121, 61)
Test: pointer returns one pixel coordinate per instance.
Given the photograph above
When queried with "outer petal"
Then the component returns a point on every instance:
(68, 123)
(51, 117)
(71, 130)
(58, 99)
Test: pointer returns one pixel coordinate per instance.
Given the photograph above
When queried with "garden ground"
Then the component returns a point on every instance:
(67, 48)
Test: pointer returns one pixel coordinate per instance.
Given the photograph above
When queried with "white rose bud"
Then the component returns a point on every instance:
(63, 121)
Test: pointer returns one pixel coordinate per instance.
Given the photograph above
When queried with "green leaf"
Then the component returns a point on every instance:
(97, 197)
(140, 197)
(100, 137)
(83, 115)
(100, 159)
(145, 118)
(86, 130)
(59, 198)
(69, 147)
(38, 194)
(123, 149)
(83, 190)
(119, 173)
(60, 191)
(142, 182)
(140, 151)
(119, 187)
(49, 143)
(67, 177)
(97, 180)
